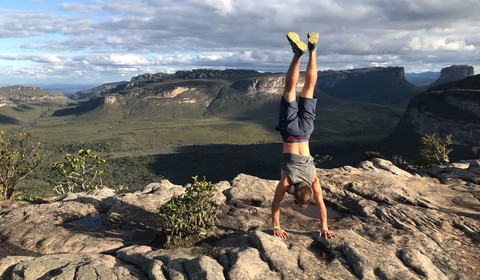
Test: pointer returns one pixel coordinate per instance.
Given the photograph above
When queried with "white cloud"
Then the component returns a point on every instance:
(224, 7)
(434, 43)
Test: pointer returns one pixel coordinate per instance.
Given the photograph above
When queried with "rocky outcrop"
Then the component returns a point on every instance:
(14, 95)
(454, 73)
(271, 85)
(210, 73)
(390, 224)
(377, 85)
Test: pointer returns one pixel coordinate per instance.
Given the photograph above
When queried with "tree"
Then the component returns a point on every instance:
(18, 157)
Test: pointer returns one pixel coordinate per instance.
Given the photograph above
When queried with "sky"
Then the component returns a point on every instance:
(101, 41)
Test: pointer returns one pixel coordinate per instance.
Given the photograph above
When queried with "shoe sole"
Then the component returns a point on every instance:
(294, 40)
(312, 41)
(313, 38)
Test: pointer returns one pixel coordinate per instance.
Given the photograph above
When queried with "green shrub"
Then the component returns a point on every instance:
(18, 157)
(319, 160)
(30, 198)
(434, 150)
(404, 163)
(369, 155)
(191, 213)
(79, 173)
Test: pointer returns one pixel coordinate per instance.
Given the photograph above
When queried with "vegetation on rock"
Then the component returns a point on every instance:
(192, 213)
(434, 150)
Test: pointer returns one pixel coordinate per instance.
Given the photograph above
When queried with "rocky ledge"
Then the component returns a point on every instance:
(390, 224)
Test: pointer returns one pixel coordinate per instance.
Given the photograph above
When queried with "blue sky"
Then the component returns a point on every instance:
(100, 41)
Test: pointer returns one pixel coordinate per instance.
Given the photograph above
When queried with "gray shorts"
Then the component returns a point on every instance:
(295, 121)
(298, 168)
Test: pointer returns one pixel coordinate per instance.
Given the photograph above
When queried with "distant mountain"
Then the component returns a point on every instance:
(378, 85)
(451, 108)
(422, 79)
(454, 73)
(67, 89)
(13, 95)
(184, 94)
(90, 93)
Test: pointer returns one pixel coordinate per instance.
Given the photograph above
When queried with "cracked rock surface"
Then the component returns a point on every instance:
(390, 224)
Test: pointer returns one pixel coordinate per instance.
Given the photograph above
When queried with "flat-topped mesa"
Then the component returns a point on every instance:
(384, 85)
(20, 88)
(211, 73)
(12, 95)
(454, 73)
(193, 74)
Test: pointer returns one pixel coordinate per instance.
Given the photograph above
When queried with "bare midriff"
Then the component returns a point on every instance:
(301, 148)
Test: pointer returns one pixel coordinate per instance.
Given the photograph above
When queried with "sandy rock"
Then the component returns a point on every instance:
(248, 264)
(70, 266)
(139, 209)
(249, 190)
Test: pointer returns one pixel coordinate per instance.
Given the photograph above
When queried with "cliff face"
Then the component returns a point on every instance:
(454, 73)
(13, 95)
(452, 108)
(271, 85)
(376, 85)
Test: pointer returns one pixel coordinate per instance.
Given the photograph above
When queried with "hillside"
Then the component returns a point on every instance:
(23, 105)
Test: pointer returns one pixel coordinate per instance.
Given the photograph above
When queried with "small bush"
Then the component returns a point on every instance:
(319, 160)
(404, 163)
(79, 173)
(18, 157)
(191, 213)
(30, 198)
(434, 150)
(369, 155)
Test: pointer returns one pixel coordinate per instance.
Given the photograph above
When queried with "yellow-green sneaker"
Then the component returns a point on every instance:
(312, 41)
(298, 47)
